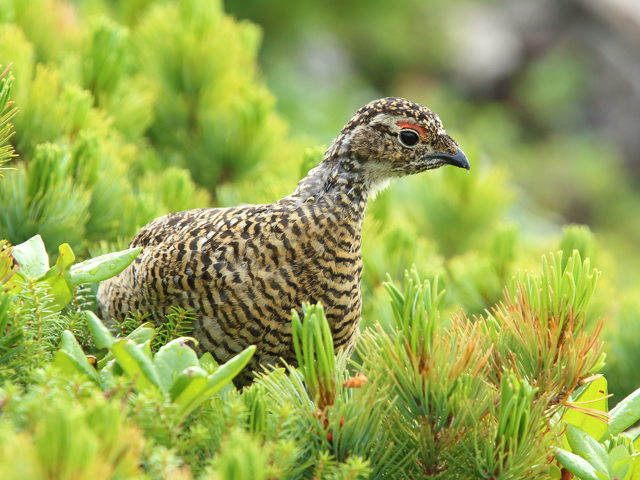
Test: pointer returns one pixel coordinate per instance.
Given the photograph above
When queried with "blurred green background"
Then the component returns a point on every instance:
(131, 109)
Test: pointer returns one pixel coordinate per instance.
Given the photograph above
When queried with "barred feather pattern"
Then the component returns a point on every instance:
(243, 269)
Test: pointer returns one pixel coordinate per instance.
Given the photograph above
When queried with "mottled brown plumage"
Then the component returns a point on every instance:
(243, 269)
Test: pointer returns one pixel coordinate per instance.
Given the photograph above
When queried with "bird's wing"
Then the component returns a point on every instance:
(163, 229)
(231, 266)
(206, 252)
(241, 270)
(201, 250)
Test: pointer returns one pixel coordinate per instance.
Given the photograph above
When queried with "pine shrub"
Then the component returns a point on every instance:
(481, 361)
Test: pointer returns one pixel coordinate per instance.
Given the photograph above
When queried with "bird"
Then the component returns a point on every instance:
(242, 270)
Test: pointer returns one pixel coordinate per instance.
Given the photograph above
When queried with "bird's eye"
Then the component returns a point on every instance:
(408, 137)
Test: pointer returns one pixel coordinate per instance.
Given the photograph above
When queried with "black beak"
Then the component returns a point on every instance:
(458, 159)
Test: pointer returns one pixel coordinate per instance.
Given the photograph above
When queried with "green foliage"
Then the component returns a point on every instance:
(32, 263)
(67, 432)
(178, 323)
(426, 387)
(478, 277)
(174, 371)
(216, 118)
(423, 309)
(508, 371)
(137, 113)
(426, 395)
(563, 290)
(366, 49)
(131, 109)
(580, 238)
(588, 407)
(104, 62)
(456, 210)
(45, 201)
(518, 417)
(7, 112)
(313, 345)
(33, 296)
(552, 103)
(324, 409)
(623, 346)
(594, 452)
(449, 225)
(543, 320)
(625, 414)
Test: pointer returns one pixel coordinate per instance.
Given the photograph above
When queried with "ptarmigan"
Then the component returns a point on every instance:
(243, 269)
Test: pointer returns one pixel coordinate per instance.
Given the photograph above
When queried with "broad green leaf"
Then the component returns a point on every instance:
(32, 257)
(66, 257)
(56, 277)
(625, 413)
(592, 396)
(635, 462)
(107, 373)
(208, 362)
(576, 465)
(60, 291)
(7, 268)
(101, 335)
(588, 448)
(193, 386)
(103, 267)
(228, 371)
(144, 333)
(172, 359)
(620, 461)
(136, 364)
(201, 389)
(70, 357)
(184, 390)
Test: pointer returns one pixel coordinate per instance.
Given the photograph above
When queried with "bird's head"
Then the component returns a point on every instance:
(393, 137)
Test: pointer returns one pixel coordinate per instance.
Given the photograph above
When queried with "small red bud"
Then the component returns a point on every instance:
(355, 382)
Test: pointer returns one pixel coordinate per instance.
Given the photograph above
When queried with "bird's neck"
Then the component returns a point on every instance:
(337, 182)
